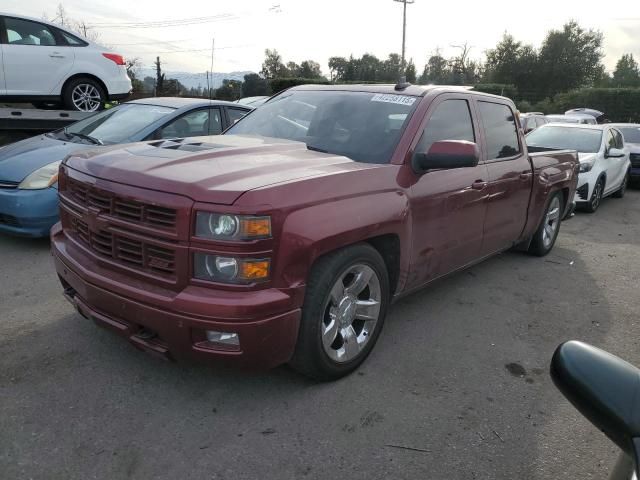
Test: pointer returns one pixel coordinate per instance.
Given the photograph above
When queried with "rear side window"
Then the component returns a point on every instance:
(26, 32)
(71, 40)
(451, 120)
(500, 130)
(235, 114)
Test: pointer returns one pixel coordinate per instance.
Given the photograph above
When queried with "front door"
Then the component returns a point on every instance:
(33, 62)
(510, 177)
(448, 206)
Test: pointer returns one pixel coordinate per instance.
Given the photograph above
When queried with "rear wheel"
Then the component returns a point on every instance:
(596, 197)
(84, 95)
(545, 237)
(344, 309)
(623, 188)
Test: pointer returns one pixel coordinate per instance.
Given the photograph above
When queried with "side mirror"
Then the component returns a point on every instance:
(615, 153)
(605, 389)
(446, 154)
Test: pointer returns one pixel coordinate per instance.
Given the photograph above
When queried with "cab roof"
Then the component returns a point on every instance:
(412, 90)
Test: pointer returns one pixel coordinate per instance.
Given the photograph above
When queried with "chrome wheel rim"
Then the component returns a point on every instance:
(351, 313)
(86, 97)
(551, 222)
(597, 193)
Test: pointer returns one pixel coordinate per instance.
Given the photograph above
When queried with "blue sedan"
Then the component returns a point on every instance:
(29, 168)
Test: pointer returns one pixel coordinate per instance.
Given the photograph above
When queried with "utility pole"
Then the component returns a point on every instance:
(404, 24)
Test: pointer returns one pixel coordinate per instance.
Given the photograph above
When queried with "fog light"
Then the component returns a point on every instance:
(225, 338)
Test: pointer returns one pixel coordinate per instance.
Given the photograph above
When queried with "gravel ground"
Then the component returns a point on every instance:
(460, 374)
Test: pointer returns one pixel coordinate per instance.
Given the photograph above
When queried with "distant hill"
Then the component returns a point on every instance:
(193, 80)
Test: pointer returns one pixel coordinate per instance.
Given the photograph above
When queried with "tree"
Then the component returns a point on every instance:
(309, 69)
(254, 85)
(338, 68)
(149, 84)
(436, 70)
(569, 58)
(230, 90)
(159, 86)
(511, 62)
(272, 67)
(627, 73)
(410, 72)
(133, 65)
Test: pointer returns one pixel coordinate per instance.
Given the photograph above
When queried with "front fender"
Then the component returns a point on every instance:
(313, 231)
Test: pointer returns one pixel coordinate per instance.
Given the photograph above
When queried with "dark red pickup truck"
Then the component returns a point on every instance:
(286, 239)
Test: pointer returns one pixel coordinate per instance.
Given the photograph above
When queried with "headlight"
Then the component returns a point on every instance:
(585, 167)
(42, 178)
(232, 227)
(218, 268)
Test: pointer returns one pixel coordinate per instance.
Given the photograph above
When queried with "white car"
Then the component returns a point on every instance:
(604, 158)
(572, 118)
(43, 63)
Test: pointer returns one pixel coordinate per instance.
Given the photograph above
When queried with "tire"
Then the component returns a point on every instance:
(623, 188)
(545, 237)
(84, 95)
(596, 197)
(330, 312)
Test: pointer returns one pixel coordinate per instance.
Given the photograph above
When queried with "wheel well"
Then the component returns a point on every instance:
(85, 75)
(388, 246)
(565, 197)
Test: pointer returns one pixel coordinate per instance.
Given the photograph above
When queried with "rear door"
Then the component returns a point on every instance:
(447, 206)
(34, 57)
(510, 177)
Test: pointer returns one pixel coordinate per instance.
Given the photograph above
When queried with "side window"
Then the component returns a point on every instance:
(618, 137)
(235, 114)
(194, 124)
(215, 122)
(610, 141)
(451, 120)
(26, 32)
(71, 40)
(500, 130)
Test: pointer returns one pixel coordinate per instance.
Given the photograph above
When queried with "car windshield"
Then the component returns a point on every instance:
(362, 126)
(584, 140)
(118, 124)
(631, 134)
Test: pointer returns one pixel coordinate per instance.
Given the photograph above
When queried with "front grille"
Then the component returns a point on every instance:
(583, 191)
(635, 160)
(128, 251)
(7, 184)
(112, 204)
(9, 220)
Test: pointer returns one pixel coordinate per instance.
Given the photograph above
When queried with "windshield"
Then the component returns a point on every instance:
(119, 123)
(584, 140)
(631, 134)
(362, 126)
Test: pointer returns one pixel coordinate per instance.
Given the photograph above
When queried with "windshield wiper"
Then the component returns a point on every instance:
(316, 149)
(93, 140)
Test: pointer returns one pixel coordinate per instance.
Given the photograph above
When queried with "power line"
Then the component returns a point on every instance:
(194, 49)
(166, 23)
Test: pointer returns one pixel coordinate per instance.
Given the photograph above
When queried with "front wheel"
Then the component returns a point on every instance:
(596, 197)
(547, 233)
(84, 95)
(344, 309)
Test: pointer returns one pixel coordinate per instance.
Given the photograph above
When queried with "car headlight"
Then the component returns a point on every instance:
(586, 167)
(44, 177)
(225, 269)
(232, 227)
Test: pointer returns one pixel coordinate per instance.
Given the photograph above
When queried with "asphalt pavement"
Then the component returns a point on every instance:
(457, 387)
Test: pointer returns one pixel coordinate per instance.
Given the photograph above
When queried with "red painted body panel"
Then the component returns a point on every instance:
(441, 221)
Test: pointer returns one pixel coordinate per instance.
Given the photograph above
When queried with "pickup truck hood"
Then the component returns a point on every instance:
(210, 169)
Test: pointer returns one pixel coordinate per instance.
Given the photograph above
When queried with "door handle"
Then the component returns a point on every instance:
(525, 175)
(56, 55)
(479, 185)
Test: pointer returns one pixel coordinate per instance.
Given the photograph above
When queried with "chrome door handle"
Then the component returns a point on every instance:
(56, 55)
(479, 185)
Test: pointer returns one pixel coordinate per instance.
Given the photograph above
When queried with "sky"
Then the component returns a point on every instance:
(318, 29)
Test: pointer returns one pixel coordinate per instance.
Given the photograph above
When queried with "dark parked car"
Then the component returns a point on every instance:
(287, 238)
(631, 134)
(29, 168)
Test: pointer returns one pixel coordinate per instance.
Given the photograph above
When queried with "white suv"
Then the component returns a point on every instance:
(43, 63)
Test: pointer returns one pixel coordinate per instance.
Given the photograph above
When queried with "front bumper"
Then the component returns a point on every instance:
(586, 183)
(28, 213)
(173, 325)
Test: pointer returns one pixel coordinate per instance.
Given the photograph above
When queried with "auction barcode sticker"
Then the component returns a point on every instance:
(390, 98)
